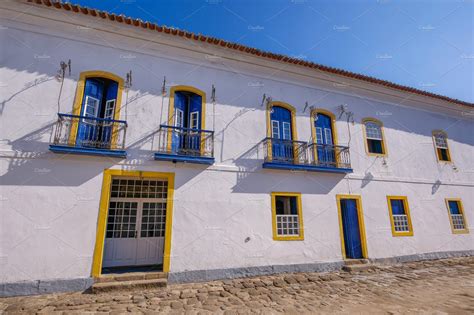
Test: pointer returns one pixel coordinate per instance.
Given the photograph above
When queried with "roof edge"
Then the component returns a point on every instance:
(74, 8)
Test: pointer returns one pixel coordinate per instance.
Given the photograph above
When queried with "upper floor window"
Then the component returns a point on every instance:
(375, 142)
(440, 139)
(324, 138)
(286, 216)
(187, 119)
(282, 132)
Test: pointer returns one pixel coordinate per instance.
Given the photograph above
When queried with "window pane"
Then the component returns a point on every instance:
(397, 206)
(454, 207)
(441, 141)
(373, 130)
(374, 146)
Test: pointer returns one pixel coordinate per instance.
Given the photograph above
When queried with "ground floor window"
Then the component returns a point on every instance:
(399, 216)
(287, 216)
(456, 216)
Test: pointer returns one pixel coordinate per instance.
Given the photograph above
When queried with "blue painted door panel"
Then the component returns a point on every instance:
(350, 224)
(282, 146)
(87, 131)
(177, 142)
(324, 139)
(109, 110)
(195, 110)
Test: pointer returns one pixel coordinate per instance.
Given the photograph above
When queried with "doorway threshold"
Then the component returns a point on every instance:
(131, 269)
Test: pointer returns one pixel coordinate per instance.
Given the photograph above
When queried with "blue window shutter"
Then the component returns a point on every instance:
(195, 105)
(87, 130)
(326, 154)
(454, 207)
(177, 142)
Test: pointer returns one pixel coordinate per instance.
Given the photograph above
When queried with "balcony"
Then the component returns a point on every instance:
(89, 135)
(299, 155)
(177, 144)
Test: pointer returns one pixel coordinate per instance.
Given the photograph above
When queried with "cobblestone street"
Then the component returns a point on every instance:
(443, 286)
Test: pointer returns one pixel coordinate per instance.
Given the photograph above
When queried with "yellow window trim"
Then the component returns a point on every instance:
(433, 134)
(461, 209)
(186, 88)
(294, 134)
(77, 106)
(103, 210)
(313, 114)
(384, 148)
(277, 237)
(407, 212)
(360, 216)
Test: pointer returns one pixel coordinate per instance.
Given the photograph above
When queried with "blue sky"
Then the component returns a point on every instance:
(424, 44)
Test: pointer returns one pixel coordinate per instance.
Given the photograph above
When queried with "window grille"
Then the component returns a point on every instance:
(400, 222)
(287, 225)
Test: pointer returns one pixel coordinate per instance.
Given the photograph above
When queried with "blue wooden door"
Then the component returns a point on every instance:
(324, 139)
(282, 146)
(88, 127)
(351, 230)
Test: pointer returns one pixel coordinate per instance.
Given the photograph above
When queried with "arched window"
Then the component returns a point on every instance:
(440, 139)
(186, 117)
(324, 137)
(281, 132)
(374, 137)
(97, 104)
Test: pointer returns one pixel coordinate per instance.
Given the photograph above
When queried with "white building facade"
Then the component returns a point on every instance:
(236, 164)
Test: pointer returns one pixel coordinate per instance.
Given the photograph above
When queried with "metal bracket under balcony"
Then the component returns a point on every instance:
(301, 156)
(177, 144)
(89, 136)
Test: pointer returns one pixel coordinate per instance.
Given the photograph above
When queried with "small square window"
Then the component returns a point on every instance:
(287, 217)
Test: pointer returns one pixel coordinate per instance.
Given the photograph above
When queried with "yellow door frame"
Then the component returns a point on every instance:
(360, 216)
(104, 207)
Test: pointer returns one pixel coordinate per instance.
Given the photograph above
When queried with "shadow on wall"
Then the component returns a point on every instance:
(252, 178)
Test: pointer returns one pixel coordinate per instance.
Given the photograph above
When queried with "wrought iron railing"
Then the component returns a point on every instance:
(185, 141)
(285, 151)
(330, 155)
(90, 132)
(303, 153)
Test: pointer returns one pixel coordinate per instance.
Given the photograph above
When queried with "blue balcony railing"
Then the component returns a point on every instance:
(299, 155)
(89, 135)
(179, 144)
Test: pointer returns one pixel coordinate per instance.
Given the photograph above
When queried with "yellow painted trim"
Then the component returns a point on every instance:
(299, 205)
(335, 140)
(384, 147)
(76, 109)
(103, 210)
(461, 209)
(186, 88)
(407, 212)
(294, 135)
(360, 216)
(433, 133)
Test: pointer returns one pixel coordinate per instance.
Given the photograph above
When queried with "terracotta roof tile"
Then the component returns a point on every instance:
(262, 54)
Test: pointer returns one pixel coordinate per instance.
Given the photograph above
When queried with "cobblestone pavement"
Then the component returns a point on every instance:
(442, 286)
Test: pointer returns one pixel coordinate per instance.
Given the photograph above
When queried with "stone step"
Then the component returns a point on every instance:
(356, 261)
(128, 285)
(358, 267)
(131, 276)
